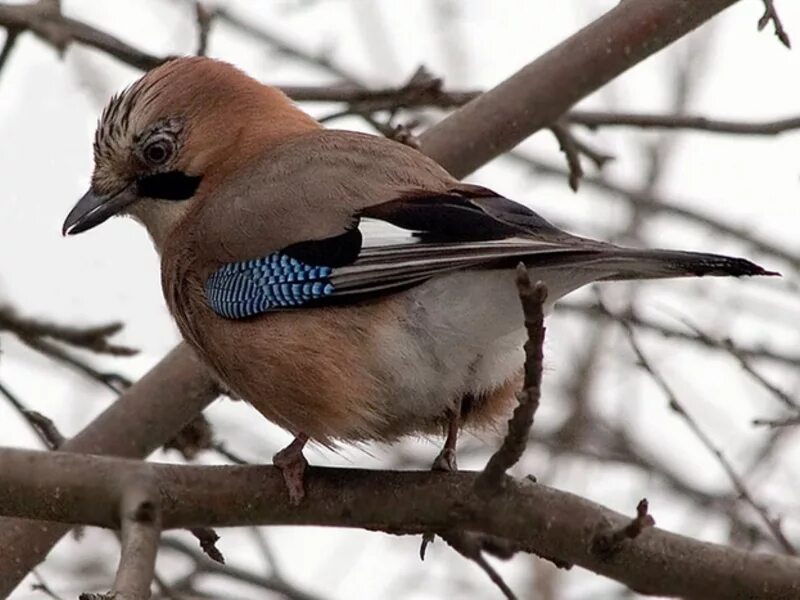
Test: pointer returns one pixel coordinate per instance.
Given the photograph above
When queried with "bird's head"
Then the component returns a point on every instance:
(180, 129)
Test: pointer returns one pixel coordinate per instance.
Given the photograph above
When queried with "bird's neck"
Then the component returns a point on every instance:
(160, 218)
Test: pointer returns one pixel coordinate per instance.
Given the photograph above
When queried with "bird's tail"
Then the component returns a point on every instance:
(657, 264)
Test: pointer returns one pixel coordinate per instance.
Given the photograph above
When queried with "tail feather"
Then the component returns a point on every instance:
(656, 264)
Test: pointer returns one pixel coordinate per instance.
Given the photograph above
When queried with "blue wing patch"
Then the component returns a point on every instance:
(243, 289)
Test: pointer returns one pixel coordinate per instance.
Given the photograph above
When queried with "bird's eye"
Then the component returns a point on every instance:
(158, 151)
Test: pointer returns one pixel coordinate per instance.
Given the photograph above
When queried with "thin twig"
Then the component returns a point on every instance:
(204, 18)
(284, 46)
(115, 382)
(532, 298)
(573, 148)
(566, 143)
(94, 338)
(470, 546)
(204, 564)
(44, 428)
(772, 525)
(208, 539)
(660, 205)
(46, 21)
(596, 119)
(728, 345)
(41, 586)
(596, 310)
(608, 543)
(8, 46)
(786, 422)
(771, 14)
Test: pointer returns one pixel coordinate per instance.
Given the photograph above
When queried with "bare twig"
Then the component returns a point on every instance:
(785, 422)
(44, 428)
(772, 525)
(771, 14)
(609, 543)
(597, 310)
(45, 337)
(203, 564)
(284, 46)
(8, 45)
(208, 539)
(471, 546)
(573, 148)
(45, 20)
(532, 298)
(204, 18)
(595, 119)
(93, 338)
(566, 142)
(660, 205)
(728, 345)
(41, 586)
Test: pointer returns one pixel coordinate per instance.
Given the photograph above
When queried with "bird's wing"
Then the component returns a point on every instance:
(468, 227)
(291, 230)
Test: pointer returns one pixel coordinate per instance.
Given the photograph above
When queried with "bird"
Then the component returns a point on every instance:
(344, 284)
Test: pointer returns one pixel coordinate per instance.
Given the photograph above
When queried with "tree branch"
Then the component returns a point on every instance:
(545, 89)
(540, 519)
(45, 20)
(771, 524)
(595, 119)
(141, 420)
(660, 205)
(140, 517)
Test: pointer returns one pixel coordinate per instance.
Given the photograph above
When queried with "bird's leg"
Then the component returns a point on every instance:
(446, 461)
(293, 465)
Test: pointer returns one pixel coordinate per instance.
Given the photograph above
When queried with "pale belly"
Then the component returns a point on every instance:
(384, 369)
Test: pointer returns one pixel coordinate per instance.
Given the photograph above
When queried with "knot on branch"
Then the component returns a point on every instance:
(195, 437)
(607, 543)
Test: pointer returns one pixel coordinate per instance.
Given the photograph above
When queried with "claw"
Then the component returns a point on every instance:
(293, 466)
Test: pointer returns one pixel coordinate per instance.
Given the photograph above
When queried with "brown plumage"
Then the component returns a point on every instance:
(239, 188)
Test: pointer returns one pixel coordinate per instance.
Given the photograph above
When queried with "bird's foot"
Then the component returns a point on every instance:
(446, 461)
(292, 465)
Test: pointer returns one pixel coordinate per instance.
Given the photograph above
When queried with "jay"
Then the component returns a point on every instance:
(273, 269)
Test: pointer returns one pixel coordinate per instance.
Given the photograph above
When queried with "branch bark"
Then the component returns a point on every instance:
(153, 410)
(538, 519)
(142, 419)
(140, 517)
(545, 89)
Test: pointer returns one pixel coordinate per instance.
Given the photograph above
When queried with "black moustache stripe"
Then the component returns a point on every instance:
(172, 185)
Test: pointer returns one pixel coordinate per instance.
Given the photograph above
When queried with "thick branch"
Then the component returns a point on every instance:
(538, 518)
(541, 92)
(141, 420)
(140, 516)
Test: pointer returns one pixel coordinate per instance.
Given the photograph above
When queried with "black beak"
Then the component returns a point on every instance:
(91, 209)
